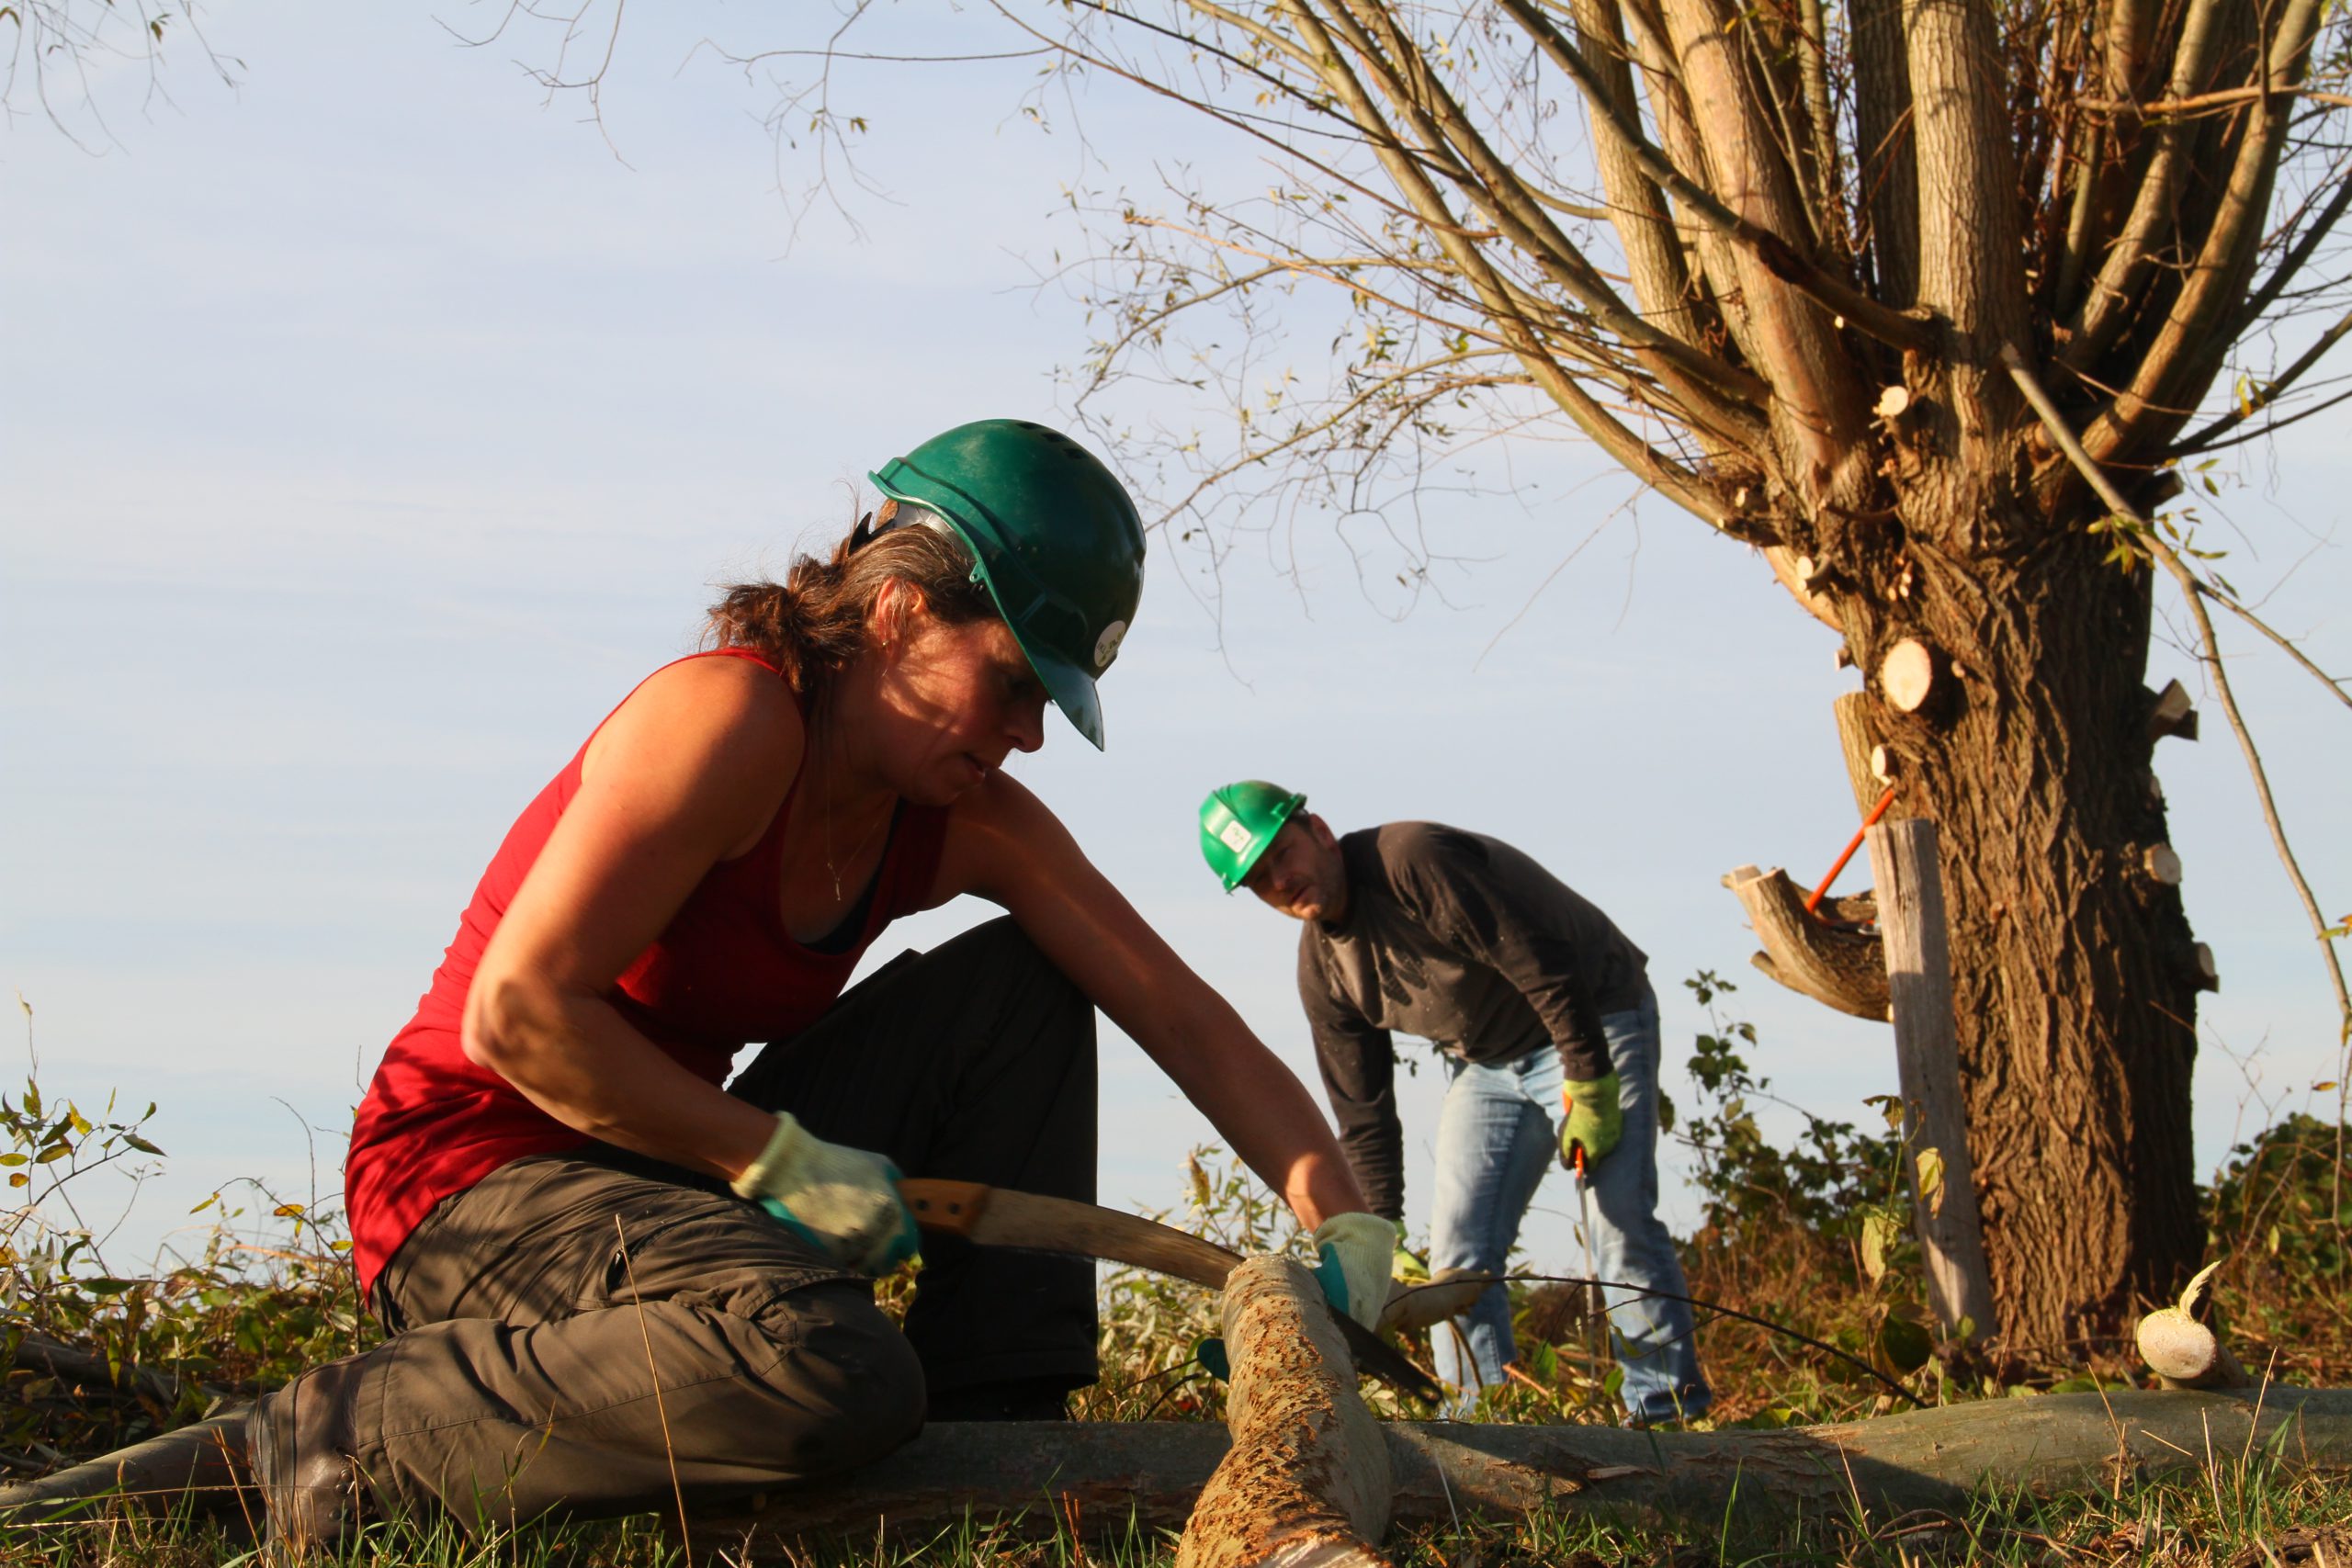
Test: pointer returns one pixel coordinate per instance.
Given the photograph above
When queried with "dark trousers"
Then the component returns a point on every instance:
(579, 1333)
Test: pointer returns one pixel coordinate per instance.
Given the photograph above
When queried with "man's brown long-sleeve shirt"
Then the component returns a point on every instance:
(1463, 941)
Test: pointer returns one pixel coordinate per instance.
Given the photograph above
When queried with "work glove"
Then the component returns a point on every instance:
(1355, 1250)
(843, 1202)
(1594, 1119)
(1414, 1305)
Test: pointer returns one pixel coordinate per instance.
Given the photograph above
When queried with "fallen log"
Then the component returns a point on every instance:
(1306, 1480)
(1845, 968)
(199, 1466)
(1039, 1477)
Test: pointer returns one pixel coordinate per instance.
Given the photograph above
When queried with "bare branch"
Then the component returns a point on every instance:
(1776, 255)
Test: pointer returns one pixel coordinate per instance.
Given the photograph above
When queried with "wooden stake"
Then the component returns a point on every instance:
(1307, 1484)
(1918, 977)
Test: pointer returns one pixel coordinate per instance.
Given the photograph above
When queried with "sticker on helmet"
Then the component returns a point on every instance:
(1236, 837)
(1106, 646)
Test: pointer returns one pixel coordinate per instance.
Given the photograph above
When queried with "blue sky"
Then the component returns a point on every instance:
(368, 431)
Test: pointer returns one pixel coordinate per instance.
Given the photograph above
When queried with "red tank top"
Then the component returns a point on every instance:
(724, 973)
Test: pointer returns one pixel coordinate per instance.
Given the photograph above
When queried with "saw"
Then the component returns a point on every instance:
(997, 1216)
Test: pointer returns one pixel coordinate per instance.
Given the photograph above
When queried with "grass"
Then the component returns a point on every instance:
(2232, 1516)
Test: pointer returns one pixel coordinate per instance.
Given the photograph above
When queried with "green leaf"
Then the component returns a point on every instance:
(1879, 1233)
(1931, 1179)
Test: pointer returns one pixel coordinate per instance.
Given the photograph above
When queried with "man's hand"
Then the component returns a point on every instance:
(1355, 1250)
(843, 1202)
(1594, 1119)
(1425, 1303)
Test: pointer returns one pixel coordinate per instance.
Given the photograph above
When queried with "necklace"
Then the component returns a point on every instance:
(833, 870)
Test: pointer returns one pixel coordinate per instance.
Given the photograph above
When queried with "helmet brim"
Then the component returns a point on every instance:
(1071, 688)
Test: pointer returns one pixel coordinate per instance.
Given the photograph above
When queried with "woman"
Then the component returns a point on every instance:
(606, 1276)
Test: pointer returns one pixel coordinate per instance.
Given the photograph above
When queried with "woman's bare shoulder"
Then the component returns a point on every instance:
(733, 713)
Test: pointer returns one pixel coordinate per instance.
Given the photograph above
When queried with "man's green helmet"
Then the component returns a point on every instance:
(1239, 822)
(1053, 535)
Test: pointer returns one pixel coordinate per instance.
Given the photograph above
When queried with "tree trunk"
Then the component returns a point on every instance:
(2074, 983)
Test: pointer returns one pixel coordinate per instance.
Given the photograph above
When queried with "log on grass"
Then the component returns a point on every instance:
(1844, 968)
(1038, 1478)
(1305, 1483)
(200, 1466)
(1042, 1476)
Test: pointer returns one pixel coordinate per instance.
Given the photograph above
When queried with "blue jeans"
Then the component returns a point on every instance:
(1497, 1136)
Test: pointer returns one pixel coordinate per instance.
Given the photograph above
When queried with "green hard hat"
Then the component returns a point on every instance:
(1053, 535)
(1239, 822)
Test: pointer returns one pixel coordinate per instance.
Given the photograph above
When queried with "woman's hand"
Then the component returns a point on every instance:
(688, 772)
(1003, 844)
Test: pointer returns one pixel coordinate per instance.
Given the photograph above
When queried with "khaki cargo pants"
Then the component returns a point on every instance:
(574, 1332)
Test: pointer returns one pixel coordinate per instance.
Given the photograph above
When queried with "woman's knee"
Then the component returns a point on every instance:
(850, 1382)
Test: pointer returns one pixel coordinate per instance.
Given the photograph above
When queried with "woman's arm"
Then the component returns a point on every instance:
(686, 774)
(1003, 844)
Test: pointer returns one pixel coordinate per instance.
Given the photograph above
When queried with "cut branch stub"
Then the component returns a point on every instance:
(2180, 1347)
(1845, 969)
(2208, 973)
(2171, 713)
(1907, 675)
(2162, 863)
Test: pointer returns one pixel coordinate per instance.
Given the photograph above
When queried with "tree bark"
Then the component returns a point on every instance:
(2074, 978)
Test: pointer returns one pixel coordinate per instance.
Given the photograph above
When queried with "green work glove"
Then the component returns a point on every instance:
(1426, 1302)
(1594, 1119)
(1355, 1250)
(843, 1202)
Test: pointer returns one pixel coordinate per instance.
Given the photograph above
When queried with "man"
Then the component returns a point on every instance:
(1541, 1008)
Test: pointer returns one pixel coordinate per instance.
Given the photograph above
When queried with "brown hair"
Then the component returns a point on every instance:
(811, 624)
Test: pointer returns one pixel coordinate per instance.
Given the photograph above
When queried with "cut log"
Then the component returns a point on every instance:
(1042, 1476)
(1306, 1480)
(1843, 968)
(1918, 973)
(2161, 864)
(2171, 713)
(1906, 676)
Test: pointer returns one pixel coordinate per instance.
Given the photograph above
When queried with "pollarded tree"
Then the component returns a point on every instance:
(1778, 259)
